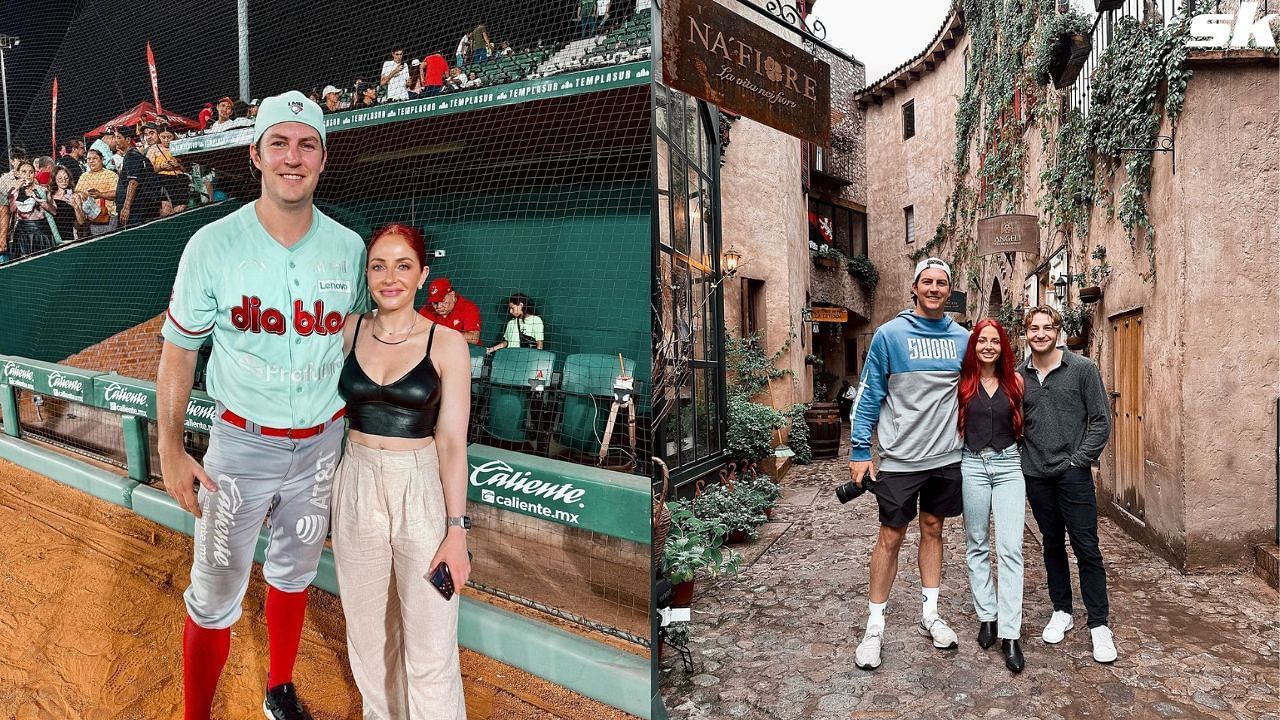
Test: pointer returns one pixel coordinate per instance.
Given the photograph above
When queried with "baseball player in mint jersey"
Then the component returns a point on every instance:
(271, 285)
(908, 396)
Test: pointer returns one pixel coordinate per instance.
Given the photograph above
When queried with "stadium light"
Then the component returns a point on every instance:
(7, 42)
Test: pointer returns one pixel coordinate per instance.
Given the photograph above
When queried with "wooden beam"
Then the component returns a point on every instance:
(948, 42)
(914, 75)
(929, 63)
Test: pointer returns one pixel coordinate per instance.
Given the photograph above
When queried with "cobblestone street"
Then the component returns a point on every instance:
(777, 640)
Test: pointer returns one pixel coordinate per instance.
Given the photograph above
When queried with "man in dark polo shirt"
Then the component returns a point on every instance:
(137, 190)
(1067, 423)
(446, 307)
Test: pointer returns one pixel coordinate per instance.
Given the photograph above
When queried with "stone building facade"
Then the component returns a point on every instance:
(770, 183)
(1189, 353)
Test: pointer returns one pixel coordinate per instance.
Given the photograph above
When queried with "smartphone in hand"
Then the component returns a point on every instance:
(442, 579)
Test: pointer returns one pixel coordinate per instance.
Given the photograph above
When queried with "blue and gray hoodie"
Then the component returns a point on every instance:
(909, 390)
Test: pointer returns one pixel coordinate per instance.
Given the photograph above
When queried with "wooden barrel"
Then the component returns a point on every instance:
(823, 419)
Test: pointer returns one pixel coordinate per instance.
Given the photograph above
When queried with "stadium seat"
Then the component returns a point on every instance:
(587, 386)
(510, 394)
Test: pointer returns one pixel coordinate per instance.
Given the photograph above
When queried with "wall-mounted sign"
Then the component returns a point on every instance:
(828, 314)
(712, 53)
(955, 302)
(1009, 233)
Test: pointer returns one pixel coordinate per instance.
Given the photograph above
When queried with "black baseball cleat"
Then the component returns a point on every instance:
(282, 703)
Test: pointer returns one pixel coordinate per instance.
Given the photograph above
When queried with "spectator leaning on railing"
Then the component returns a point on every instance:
(62, 193)
(137, 194)
(366, 96)
(174, 183)
(96, 190)
(28, 204)
(332, 100)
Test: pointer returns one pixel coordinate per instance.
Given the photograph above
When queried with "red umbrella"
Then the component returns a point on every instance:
(145, 112)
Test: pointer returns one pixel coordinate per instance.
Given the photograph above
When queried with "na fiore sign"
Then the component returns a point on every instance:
(1009, 233)
(712, 53)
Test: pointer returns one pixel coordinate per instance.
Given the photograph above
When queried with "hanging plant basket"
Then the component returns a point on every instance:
(1091, 294)
(1069, 58)
(1107, 5)
(1075, 342)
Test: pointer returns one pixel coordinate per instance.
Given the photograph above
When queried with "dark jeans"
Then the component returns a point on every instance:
(1066, 505)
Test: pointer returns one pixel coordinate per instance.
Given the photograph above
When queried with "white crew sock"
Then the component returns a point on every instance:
(875, 615)
(930, 599)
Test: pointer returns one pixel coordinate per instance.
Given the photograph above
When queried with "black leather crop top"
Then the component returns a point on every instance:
(406, 408)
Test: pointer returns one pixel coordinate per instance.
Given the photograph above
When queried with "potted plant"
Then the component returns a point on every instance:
(740, 509)
(1062, 48)
(1097, 275)
(763, 488)
(1073, 326)
(751, 429)
(827, 257)
(694, 545)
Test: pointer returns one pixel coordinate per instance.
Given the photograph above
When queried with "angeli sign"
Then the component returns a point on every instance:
(565, 493)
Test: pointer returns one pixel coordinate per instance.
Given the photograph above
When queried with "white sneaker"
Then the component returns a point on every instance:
(1104, 648)
(944, 638)
(867, 656)
(1057, 628)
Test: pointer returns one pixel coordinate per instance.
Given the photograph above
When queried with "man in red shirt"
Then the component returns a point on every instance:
(434, 66)
(448, 308)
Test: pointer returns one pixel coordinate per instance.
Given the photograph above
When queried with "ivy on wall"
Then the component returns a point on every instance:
(1140, 79)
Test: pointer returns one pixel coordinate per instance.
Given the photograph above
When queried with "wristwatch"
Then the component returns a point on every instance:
(462, 521)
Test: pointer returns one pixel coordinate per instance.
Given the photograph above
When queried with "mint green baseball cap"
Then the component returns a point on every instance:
(291, 106)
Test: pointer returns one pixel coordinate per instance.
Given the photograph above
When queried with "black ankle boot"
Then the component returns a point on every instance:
(1013, 659)
(986, 634)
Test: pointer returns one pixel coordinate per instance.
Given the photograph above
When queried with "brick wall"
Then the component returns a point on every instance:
(133, 353)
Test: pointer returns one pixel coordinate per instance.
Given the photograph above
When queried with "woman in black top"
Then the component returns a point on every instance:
(991, 425)
(62, 192)
(400, 494)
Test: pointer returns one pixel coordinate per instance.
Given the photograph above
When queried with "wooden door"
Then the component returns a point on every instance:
(1126, 414)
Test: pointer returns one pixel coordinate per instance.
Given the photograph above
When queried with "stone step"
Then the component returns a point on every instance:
(1266, 563)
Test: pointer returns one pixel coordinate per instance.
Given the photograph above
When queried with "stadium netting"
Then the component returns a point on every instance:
(530, 175)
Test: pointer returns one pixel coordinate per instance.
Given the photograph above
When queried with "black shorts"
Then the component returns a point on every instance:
(937, 490)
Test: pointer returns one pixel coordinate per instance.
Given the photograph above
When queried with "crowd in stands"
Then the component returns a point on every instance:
(478, 61)
(123, 181)
(119, 182)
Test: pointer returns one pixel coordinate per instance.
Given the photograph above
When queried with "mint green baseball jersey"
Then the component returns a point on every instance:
(275, 314)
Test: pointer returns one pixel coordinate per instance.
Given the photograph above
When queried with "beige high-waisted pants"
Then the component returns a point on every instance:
(402, 635)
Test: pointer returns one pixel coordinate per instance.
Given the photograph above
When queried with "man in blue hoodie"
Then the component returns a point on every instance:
(908, 396)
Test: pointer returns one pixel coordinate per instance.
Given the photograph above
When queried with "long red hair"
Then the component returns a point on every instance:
(1006, 372)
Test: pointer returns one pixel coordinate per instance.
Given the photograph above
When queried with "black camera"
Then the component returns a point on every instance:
(851, 490)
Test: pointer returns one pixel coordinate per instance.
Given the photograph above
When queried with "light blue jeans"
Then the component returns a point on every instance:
(993, 485)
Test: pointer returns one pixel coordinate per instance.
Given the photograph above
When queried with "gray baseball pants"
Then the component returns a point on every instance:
(288, 482)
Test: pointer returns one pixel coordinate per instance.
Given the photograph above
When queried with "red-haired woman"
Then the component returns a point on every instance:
(991, 424)
(400, 494)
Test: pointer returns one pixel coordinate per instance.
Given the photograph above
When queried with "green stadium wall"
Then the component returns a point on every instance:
(582, 254)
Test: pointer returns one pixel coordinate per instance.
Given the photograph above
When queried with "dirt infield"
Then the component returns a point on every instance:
(91, 617)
